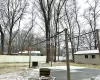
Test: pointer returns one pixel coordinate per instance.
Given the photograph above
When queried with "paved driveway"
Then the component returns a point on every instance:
(78, 74)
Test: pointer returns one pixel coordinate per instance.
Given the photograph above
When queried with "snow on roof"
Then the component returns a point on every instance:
(87, 52)
(35, 52)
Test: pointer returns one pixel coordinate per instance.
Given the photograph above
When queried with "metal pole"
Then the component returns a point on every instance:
(67, 55)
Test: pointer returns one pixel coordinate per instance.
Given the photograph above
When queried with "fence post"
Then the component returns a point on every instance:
(67, 55)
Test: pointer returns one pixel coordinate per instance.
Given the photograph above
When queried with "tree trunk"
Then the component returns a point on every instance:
(72, 49)
(58, 48)
(2, 40)
(2, 44)
(95, 41)
(55, 51)
(47, 46)
(95, 44)
(9, 44)
(55, 43)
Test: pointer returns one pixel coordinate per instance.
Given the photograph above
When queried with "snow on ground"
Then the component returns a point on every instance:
(25, 74)
(21, 75)
(72, 68)
(98, 77)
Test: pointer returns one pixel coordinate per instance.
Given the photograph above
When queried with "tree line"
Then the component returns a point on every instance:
(54, 15)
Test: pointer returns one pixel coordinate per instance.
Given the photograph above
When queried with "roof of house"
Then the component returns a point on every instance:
(26, 52)
(87, 52)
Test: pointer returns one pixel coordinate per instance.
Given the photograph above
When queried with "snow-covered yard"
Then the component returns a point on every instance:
(25, 74)
(32, 74)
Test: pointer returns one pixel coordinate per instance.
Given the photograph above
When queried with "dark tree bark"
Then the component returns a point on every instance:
(2, 41)
(10, 43)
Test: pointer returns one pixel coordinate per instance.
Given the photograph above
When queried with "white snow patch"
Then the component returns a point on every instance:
(72, 68)
(98, 77)
(64, 67)
(22, 75)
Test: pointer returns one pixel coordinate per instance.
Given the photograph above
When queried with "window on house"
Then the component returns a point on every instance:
(86, 56)
(93, 56)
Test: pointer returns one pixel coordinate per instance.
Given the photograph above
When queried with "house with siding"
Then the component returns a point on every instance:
(87, 57)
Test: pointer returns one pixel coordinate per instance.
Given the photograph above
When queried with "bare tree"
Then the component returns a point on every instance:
(91, 15)
(29, 26)
(13, 12)
(3, 25)
(46, 8)
(76, 16)
(70, 24)
(87, 39)
(57, 12)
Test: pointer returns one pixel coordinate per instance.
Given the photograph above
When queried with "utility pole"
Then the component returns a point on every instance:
(67, 55)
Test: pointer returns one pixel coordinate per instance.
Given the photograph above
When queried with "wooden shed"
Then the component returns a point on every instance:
(87, 57)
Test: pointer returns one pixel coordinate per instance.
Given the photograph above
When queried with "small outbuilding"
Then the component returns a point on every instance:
(87, 57)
